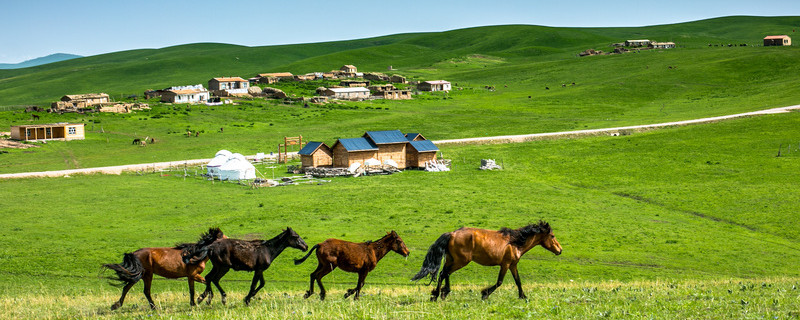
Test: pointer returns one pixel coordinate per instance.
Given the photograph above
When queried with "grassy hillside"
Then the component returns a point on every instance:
(695, 216)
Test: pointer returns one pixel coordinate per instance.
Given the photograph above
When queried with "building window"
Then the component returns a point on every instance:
(71, 130)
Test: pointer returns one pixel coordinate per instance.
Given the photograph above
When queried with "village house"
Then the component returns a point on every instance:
(354, 83)
(316, 154)
(397, 79)
(392, 95)
(391, 145)
(90, 99)
(637, 43)
(375, 76)
(351, 150)
(228, 86)
(662, 45)
(419, 152)
(305, 77)
(348, 68)
(782, 40)
(435, 85)
(185, 94)
(381, 87)
(354, 94)
(270, 78)
(54, 131)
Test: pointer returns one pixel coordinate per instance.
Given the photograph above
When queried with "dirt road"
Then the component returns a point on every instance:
(481, 140)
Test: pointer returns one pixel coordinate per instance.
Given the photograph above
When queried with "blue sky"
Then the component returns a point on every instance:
(36, 28)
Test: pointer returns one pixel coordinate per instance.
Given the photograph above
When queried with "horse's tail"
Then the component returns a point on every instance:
(433, 259)
(129, 271)
(194, 255)
(303, 259)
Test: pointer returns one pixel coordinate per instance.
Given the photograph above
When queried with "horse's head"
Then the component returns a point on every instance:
(294, 240)
(549, 241)
(216, 233)
(398, 245)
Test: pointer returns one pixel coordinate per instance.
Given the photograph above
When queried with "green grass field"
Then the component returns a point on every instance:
(683, 222)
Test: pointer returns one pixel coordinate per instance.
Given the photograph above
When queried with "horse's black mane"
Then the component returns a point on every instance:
(205, 239)
(517, 237)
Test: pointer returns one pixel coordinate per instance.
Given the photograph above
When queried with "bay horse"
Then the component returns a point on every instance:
(359, 258)
(166, 262)
(486, 247)
(253, 255)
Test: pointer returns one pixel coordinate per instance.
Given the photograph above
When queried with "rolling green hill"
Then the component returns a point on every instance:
(137, 70)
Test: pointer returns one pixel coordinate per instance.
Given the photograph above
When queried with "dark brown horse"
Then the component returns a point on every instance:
(165, 262)
(486, 247)
(253, 255)
(360, 258)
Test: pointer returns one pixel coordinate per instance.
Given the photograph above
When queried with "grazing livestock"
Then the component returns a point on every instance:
(359, 258)
(486, 247)
(253, 255)
(35, 117)
(165, 262)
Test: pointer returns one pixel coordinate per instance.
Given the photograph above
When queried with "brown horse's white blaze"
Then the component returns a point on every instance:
(354, 257)
(502, 248)
(166, 262)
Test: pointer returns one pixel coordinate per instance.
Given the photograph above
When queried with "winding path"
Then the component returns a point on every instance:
(481, 140)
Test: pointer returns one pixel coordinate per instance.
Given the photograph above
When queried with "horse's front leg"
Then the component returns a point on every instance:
(208, 291)
(357, 290)
(255, 285)
(515, 274)
(488, 291)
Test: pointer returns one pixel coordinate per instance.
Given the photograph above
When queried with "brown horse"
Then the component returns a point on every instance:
(486, 247)
(253, 255)
(360, 258)
(165, 262)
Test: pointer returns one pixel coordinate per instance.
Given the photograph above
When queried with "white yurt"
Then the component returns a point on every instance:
(220, 158)
(237, 168)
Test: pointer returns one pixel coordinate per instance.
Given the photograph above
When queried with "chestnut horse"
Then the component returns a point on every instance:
(486, 247)
(360, 258)
(254, 255)
(165, 262)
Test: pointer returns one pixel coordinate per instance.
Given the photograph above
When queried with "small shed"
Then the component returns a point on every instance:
(393, 95)
(637, 43)
(662, 45)
(53, 131)
(391, 145)
(780, 41)
(419, 152)
(89, 99)
(316, 154)
(354, 83)
(346, 152)
(354, 94)
(435, 85)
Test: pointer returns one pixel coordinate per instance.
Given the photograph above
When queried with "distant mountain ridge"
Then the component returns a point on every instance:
(56, 57)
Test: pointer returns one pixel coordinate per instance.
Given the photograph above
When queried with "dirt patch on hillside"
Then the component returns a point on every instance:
(12, 144)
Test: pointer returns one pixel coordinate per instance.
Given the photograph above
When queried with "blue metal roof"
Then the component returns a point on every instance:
(310, 148)
(388, 136)
(411, 136)
(358, 144)
(424, 146)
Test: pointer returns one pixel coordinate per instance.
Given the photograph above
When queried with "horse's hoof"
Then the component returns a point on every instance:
(308, 294)
(524, 297)
(115, 306)
(433, 299)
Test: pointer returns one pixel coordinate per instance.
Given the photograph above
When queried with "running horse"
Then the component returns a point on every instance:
(360, 258)
(166, 262)
(253, 255)
(486, 247)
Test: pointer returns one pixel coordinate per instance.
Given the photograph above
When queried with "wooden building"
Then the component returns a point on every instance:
(352, 150)
(52, 131)
(349, 68)
(393, 95)
(415, 137)
(354, 94)
(419, 152)
(229, 85)
(782, 40)
(316, 154)
(89, 99)
(354, 83)
(435, 85)
(391, 145)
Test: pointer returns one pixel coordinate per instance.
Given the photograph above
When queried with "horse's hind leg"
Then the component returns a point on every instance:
(208, 291)
(327, 268)
(313, 278)
(118, 304)
(148, 279)
(488, 291)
